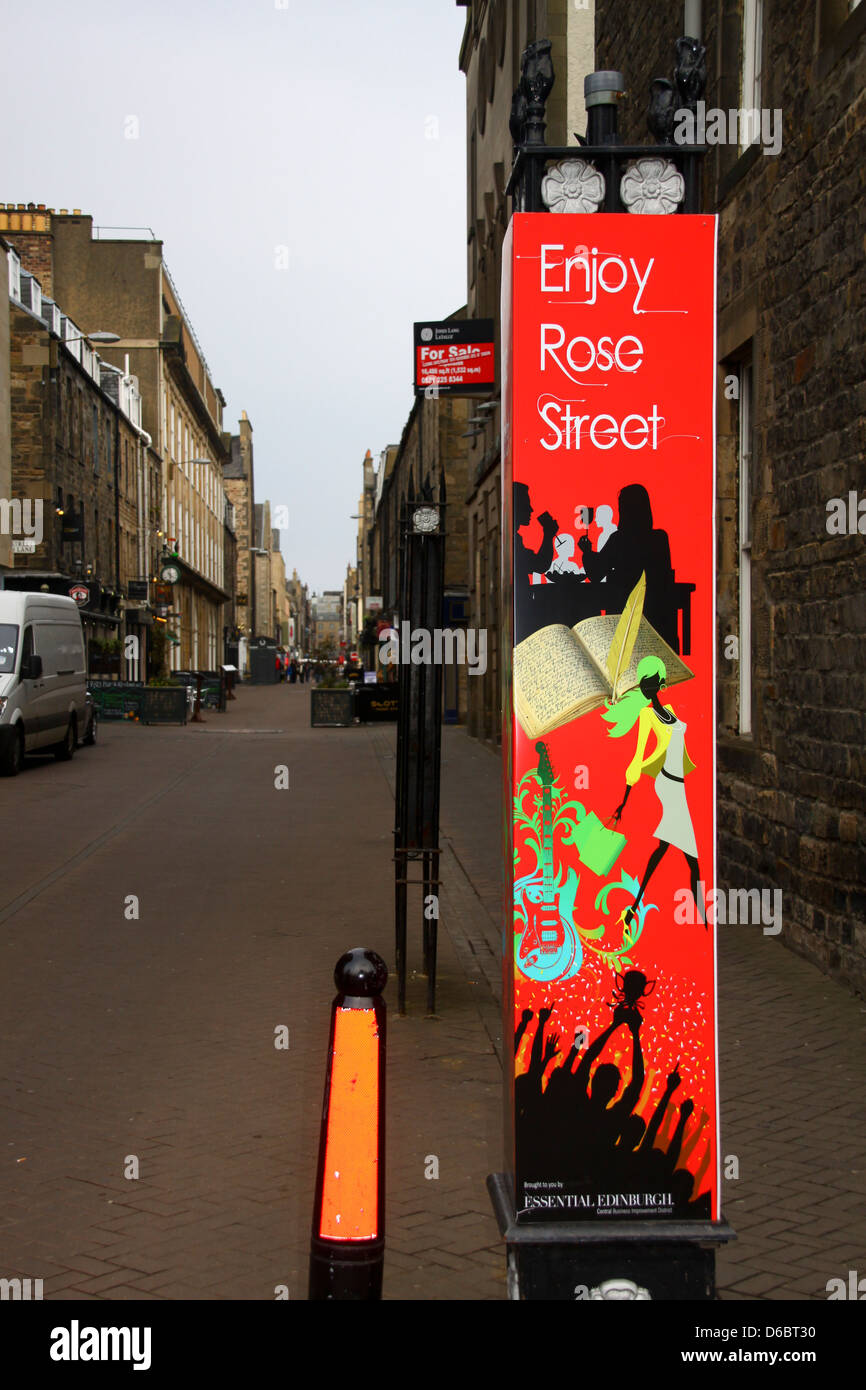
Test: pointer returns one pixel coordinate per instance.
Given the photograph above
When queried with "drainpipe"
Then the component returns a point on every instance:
(142, 491)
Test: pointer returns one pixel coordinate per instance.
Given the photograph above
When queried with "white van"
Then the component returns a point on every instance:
(43, 677)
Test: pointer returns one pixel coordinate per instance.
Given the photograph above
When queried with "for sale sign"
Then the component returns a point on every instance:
(608, 488)
(455, 356)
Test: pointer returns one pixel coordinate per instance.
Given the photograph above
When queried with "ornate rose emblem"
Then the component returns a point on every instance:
(652, 186)
(575, 185)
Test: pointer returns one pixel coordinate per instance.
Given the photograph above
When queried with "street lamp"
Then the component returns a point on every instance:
(102, 335)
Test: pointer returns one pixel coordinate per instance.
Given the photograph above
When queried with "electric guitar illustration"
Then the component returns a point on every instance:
(549, 946)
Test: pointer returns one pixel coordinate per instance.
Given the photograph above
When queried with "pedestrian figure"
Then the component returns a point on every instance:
(668, 762)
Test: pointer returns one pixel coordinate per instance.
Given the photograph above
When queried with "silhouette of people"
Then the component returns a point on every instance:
(668, 763)
(581, 1129)
(604, 521)
(604, 1120)
(527, 618)
(525, 1020)
(594, 580)
(564, 561)
(635, 547)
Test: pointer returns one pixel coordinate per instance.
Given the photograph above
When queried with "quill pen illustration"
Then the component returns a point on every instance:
(622, 645)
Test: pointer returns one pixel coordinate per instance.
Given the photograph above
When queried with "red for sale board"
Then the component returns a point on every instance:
(609, 563)
(454, 357)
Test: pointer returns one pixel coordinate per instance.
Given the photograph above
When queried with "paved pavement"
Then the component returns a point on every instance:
(151, 1038)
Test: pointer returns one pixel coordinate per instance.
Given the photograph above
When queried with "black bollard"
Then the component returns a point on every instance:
(347, 1246)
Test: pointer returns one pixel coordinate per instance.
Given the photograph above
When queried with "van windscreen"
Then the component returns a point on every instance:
(8, 647)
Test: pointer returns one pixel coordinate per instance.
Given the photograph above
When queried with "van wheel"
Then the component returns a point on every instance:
(65, 750)
(13, 756)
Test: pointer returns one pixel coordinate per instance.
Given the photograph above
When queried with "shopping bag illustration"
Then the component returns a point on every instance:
(598, 848)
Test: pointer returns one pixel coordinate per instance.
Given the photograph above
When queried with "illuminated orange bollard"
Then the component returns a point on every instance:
(347, 1249)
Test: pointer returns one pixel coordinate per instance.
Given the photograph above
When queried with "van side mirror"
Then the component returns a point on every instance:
(31, 667)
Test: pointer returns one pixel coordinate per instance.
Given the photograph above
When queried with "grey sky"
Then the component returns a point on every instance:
(336, 130)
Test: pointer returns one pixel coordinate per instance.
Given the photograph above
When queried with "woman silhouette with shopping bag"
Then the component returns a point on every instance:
(668, 762)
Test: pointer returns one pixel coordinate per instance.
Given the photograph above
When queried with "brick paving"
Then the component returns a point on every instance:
(154, 1038)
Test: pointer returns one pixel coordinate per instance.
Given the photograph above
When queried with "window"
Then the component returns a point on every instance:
(14, 275)
(744, 545)
(750, 87)
(8, 647)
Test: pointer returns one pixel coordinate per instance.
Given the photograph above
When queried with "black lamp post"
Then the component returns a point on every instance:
(646, 1256)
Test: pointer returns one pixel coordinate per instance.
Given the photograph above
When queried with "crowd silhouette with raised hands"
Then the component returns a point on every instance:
(582, 1127)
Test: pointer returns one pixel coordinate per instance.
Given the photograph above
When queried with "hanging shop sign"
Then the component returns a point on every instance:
(455, 356)
(72, 528)
(608, 488)
(80, 593)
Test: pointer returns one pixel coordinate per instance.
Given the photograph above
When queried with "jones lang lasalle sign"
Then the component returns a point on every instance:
(608, 494)
(455, 356)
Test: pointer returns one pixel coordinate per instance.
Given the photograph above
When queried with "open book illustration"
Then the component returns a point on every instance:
(561, 673)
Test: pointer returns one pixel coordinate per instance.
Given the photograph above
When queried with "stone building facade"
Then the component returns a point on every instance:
(432, 448)
(791, 637)
(239, 483)
(278, 590)
(364, 586)
(78, 453)
(326, 623)
(5, 408)
(264, 599)
(124, 287)
(298, 602)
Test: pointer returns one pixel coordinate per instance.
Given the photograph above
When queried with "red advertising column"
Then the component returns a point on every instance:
(609, 536)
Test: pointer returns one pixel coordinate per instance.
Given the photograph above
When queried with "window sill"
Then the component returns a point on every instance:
(737, 753)
(737, 172)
